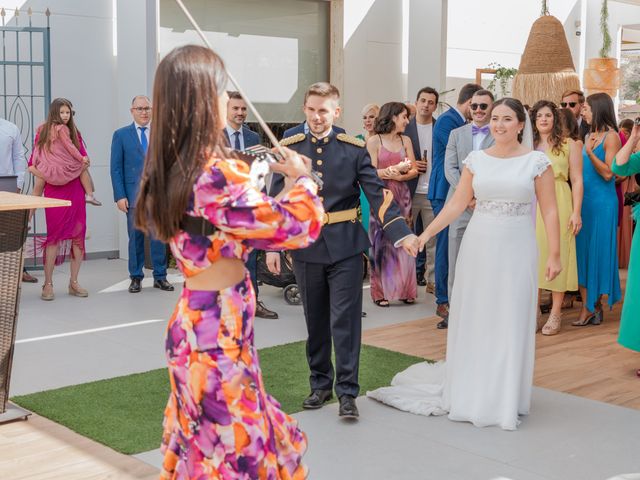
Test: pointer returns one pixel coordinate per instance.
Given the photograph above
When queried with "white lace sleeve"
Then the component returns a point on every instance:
(468, 162)
(541, 163)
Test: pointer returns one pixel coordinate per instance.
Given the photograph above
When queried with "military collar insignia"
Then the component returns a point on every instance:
(343, 137)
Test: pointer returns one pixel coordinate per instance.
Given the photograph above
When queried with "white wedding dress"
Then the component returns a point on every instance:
(488, 373)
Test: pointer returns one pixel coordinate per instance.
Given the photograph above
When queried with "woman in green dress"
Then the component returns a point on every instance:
(369, 115)
(625, 164)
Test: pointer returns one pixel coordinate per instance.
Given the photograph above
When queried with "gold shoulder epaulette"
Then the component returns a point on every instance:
(298, 137)
(343, 137)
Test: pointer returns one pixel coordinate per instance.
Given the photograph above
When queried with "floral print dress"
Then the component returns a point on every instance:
(219, 421)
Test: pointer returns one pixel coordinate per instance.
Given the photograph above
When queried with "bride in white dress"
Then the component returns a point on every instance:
(488, 373)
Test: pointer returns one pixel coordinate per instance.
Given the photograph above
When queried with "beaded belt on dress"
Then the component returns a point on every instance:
(503, 209)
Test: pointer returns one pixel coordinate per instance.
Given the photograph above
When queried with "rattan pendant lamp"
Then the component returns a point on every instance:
(546, 67)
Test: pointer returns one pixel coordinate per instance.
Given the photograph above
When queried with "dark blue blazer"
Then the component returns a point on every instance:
(127, 161)
(447, 122)
(412, 132)
(251, 138)
(300, 129)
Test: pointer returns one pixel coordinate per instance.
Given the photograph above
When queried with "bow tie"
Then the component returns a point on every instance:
(476, 130)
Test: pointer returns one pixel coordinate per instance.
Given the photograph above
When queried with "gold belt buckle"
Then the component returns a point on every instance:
(325, 218)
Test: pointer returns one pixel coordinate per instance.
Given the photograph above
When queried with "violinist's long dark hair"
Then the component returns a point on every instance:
(185, 132)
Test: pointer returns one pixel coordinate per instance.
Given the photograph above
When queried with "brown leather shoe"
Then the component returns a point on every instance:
(431, 288)
(442, 310)
(27, 277)
(264, 312)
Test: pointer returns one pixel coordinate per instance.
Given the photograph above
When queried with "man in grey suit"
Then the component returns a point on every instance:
(464, 140)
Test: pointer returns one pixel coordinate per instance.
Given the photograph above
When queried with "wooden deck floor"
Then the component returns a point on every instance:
(585, 361)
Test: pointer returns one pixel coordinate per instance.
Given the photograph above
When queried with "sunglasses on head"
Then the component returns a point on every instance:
(570, 104)
(481, 106)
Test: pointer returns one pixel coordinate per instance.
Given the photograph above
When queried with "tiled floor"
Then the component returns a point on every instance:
(565, 437)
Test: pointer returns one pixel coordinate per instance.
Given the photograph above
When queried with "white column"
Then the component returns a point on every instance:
(427, 45)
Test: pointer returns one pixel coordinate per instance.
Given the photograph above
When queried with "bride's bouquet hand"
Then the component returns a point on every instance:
(554, 267)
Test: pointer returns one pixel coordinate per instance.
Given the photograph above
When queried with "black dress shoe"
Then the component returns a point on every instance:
(163, 285)
(443, 324)
(264, 312)
(134, 286)
(317, 399)
(421, 281)
(348, 407)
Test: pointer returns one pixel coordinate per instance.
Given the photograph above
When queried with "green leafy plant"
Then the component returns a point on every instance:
(501, 77)
(604, 29)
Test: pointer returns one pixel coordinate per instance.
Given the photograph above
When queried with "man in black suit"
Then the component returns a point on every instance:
(420, 130)
(574, 101)
(329, 272)
(240, 138)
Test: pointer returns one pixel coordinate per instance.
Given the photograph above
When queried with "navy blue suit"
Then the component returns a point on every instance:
(329, 271)
(250, 138)
(438, 189)
(300, 129)
(127, 161)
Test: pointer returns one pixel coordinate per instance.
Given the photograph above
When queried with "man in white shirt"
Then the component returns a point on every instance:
(420, 130)
(12, 162)
(462, 141)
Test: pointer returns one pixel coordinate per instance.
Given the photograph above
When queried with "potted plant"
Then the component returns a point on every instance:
(602, 73)
(503, 77)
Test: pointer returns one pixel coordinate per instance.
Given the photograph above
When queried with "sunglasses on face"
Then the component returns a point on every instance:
(570, 104)
(481, 106)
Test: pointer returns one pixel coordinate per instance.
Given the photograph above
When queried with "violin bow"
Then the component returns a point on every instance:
(263, 124)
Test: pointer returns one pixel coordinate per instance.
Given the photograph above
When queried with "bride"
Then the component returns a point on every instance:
(488, 373)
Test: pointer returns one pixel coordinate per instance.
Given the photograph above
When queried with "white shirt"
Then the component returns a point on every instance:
(478, 138)
(147, 127)
(232, 139)
(425, 137)
(12, 161)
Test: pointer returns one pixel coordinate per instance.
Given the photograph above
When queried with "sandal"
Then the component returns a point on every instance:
(592, 319)
(408, 301)
(552, 327)
(76, 290)
(382, 302)
(47, 296)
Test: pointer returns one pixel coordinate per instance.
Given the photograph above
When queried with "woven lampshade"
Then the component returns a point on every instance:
(546, 67)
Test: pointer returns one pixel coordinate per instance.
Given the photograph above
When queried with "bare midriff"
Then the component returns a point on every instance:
(223, 273)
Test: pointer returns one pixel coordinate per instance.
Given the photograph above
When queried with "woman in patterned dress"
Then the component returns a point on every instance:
(219, 421)
(393, 271)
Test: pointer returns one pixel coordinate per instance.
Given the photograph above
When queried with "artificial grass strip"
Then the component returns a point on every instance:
(125, 413)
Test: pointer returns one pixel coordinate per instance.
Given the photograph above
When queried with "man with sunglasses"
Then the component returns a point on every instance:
(462, 141)
(574, 101)
(128, 150)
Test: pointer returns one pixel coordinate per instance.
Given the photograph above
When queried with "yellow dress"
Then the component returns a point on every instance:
(567, 280)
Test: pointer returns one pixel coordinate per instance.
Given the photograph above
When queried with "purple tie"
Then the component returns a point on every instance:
(476, 130)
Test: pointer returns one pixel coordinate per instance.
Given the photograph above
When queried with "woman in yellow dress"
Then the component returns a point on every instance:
(566, 162)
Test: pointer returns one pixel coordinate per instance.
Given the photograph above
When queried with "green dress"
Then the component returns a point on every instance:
(630, 323)
(364, 203)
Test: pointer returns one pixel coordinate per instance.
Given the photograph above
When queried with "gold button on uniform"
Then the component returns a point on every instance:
(319, 150)
(313, 140)
(320, 174)
(319, 162)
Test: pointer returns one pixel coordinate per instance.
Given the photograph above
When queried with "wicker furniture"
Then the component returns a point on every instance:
(14, 214)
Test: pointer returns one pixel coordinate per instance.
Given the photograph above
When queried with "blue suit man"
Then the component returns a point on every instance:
(439, 187)
(128, 148)
(241, 138)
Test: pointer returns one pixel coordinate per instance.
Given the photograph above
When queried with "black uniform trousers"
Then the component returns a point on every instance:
(332, 301)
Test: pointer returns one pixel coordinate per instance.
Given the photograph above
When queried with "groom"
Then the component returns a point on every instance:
(462, 141)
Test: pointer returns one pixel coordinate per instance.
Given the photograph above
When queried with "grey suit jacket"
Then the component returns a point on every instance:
(460, 145)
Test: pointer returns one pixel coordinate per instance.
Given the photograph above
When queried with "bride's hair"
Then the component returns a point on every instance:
(517, 107)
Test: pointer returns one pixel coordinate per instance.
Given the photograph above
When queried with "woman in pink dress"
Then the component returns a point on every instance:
(59, 162)
(393, 271)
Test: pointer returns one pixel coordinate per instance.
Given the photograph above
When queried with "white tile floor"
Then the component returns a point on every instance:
(564, 438)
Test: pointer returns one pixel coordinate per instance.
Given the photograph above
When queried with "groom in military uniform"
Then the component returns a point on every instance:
(329, 272)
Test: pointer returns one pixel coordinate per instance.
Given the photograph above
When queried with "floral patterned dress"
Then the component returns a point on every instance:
(219, 421)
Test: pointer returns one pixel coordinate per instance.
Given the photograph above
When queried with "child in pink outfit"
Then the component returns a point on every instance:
(60, 157)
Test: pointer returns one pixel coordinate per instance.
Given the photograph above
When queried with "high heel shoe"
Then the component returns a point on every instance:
(552, 327)
(47, 296)
(595, 318)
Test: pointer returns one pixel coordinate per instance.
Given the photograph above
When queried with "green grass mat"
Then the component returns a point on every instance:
(125, 413)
